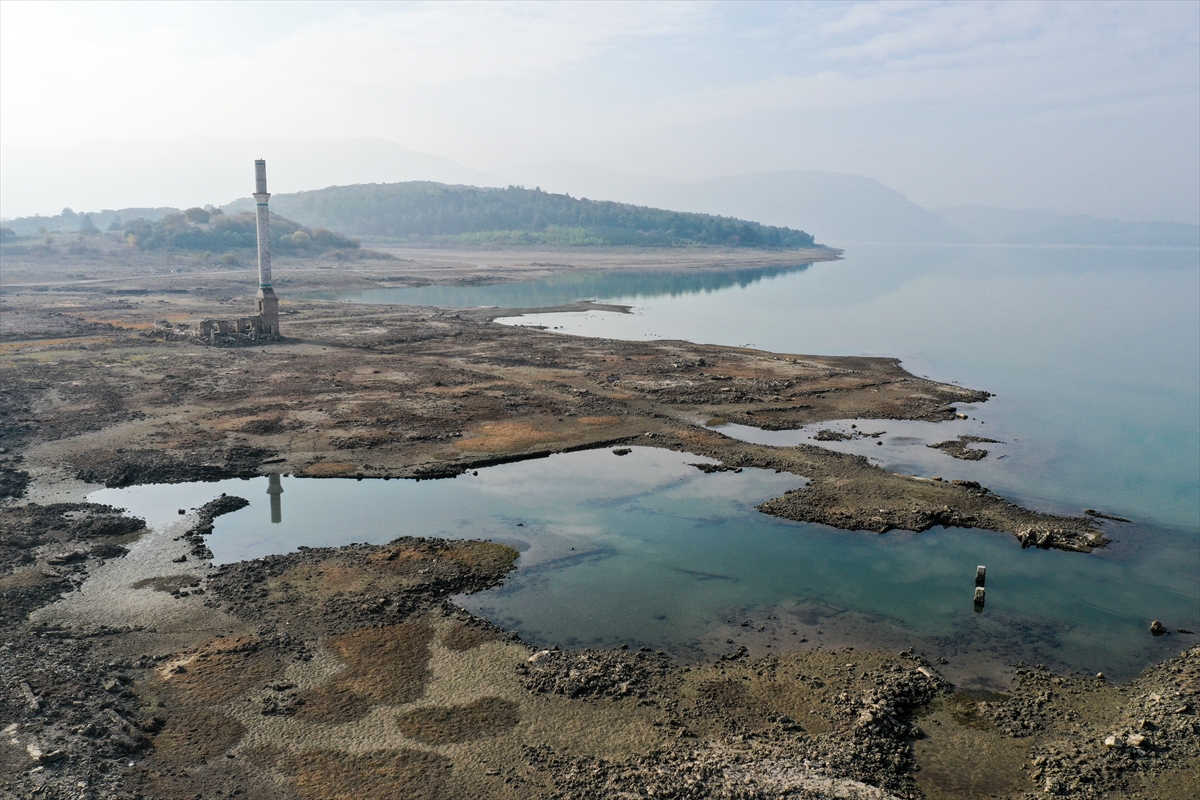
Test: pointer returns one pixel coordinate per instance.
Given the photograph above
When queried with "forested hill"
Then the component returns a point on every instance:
(437, 213)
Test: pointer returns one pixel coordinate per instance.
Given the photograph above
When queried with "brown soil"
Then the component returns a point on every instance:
(378, 775)
(384, 665)
(445, 725)
(463, 637)
(347, 672)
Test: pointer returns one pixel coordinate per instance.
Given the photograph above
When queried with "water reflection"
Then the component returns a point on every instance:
(564, 289)
(275, 489)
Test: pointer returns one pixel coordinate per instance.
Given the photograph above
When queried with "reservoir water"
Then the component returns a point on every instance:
(1093, 353)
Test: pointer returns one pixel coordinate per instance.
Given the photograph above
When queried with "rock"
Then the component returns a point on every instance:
(31, 701)
(1157, 628)
(622, 451)
(1138, 740)
(68, 558)
(1112, 741)
(51, 757)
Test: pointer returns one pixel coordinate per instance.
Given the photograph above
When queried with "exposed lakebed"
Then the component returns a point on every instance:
(646, 549)
(1092, 352)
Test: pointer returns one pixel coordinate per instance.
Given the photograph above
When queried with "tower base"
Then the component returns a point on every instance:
(267, 306)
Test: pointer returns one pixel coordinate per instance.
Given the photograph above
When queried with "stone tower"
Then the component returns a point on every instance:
(267, 304)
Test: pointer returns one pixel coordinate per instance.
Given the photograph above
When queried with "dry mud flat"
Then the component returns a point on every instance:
(94, 390)
(132, 667)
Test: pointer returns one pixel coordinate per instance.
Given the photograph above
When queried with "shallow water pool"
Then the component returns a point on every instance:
(647, 550)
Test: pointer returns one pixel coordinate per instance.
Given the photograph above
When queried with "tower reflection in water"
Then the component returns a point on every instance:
(275, 489)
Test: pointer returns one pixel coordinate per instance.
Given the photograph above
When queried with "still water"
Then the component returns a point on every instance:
(1094, 355)
(559, 290)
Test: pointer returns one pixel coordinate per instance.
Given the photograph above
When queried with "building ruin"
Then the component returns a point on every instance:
(265, 323)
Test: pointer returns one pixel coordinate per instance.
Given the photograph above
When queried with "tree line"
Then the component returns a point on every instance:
(435, 212)
(213, 230)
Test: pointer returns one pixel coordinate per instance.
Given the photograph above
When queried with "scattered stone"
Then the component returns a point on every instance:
(1157, 628)
(593, 673)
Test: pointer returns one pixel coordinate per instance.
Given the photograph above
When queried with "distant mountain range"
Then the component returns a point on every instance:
(1029, 226)
(839, 209)
(842, 209)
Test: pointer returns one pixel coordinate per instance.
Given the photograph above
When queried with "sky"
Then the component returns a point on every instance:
(1075, 107)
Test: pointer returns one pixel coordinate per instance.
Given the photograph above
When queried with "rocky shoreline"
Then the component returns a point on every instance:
(264, 677)
(133, 667)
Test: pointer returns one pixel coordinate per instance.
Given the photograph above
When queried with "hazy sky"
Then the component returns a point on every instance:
(1090, 107)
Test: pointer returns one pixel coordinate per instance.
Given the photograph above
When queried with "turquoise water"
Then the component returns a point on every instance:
(1093, 353)
(647, 550)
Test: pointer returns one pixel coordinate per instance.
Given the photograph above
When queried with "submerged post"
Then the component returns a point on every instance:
(979, 594)
(980, 575)
(267, 303)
